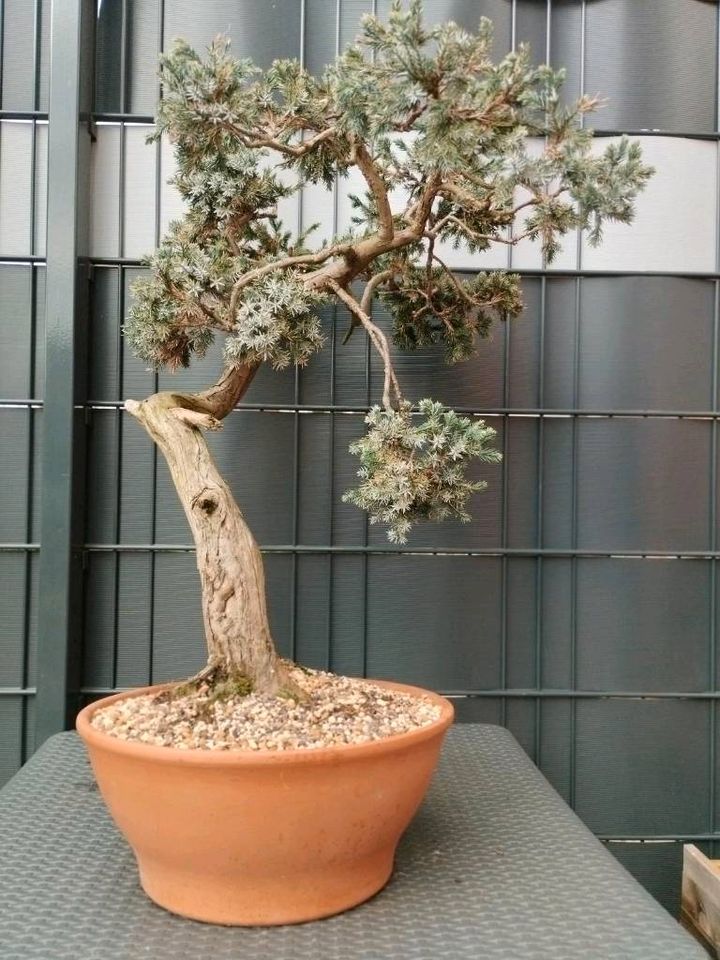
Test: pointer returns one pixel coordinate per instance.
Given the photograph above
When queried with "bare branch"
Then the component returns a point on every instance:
(412, 115)
(371, 286)
(474, 235)
(302, 259)
(257, 140)
(366, 301)
(222, 396)
(378, 340)
(423, 208)
(451, 277)
(375, 182)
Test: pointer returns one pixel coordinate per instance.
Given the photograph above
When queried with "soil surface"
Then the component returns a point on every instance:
(338, 710)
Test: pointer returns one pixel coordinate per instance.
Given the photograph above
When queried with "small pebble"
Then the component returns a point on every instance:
(338, 710)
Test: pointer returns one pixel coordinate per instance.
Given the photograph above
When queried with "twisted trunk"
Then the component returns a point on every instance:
(240, 646)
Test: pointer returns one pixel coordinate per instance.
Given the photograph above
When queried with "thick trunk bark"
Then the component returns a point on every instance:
(237, 631)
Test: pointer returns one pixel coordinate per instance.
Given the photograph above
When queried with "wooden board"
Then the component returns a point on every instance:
(700, 912)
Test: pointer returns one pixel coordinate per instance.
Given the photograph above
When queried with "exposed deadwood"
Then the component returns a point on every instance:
(237, 630)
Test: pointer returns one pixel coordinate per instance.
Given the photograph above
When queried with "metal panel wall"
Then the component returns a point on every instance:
(579, 607)
(24, 53)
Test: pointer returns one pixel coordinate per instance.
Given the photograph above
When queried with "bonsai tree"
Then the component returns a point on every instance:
(441, 137)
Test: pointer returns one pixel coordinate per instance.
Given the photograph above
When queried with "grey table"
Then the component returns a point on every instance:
(495, 867)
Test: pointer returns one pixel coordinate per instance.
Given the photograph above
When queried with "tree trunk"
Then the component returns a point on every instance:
(240, 646)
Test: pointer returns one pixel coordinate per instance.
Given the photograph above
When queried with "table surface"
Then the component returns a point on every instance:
(494, 867)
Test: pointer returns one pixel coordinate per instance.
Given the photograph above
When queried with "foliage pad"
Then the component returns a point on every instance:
(452, 148)
(415, 469)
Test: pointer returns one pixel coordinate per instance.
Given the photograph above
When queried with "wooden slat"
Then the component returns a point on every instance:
(700, 912)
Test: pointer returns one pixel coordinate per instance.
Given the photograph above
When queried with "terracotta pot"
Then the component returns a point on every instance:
(255, 838)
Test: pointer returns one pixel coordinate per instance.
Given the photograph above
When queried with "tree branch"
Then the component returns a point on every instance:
(371, 286)
(378, 340)
(492, 238)
(451, 277)
(366, 301)
(224, 395)
(375, 182)
(422, 209)
(256, 140)
(302, 259)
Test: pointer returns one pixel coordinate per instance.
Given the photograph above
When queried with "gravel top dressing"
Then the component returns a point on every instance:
(338, 710)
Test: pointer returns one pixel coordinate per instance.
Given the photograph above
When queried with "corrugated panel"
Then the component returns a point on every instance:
(477, 383)
(517, 479)
(11, 736)
(12, 618)
(641, 766)
(555, 627)
(38, 388)
(15, 431)
(565, 44)
(16, 167)
(126, 46)
(178, 639)
(630, 616)
(560, 339)
(135, 591)
(262, 29)
(256, 458)
(99, 621)
(349, 524)
(311, 639)
(675, 227)
(347, 615)
(140, 159)
(434, 621)
(40, 161)
(643, 485)
(645, 343)
(654, 61)
(105, 191)
(552, 749)
(316, 457)
(520, 636)
(16, 331)
(467, 14)
(555, 498)
(25, 54)
(521, 373)
(23, 187)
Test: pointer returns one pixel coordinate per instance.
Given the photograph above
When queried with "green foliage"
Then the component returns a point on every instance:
(471, 120)
(453, 148)
(415, 470)
(174, 310)
(224, 189)
(431, 306)
(277, 323)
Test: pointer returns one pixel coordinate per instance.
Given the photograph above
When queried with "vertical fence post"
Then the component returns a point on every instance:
(60, 573)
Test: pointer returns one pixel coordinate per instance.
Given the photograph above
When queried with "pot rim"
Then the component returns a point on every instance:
(241, 755)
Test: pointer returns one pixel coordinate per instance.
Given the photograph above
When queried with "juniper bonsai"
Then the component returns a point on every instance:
(441, 136)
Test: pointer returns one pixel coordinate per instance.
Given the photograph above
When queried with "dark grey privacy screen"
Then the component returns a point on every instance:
(579, 607)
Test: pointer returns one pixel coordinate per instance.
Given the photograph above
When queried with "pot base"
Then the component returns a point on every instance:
(231, 901)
